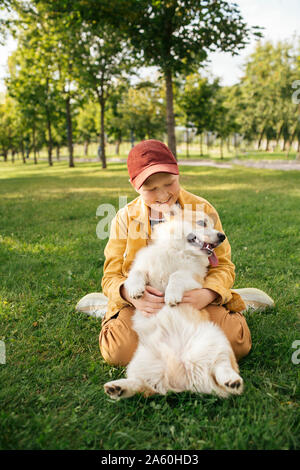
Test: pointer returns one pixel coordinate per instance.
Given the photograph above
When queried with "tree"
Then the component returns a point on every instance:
(33, 90)
(117, 127)
(87, 124)
(47, 44)
(266, 93)
(196, 99)
(8, 128)
(143, 111)
(174, 35)
(102, 58)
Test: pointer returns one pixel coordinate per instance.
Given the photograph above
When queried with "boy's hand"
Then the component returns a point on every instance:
(149, 304)
(199, 298)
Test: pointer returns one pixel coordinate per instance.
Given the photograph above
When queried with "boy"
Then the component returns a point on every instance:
(154, 175)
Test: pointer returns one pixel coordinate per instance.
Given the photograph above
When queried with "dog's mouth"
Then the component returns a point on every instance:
(208, 248)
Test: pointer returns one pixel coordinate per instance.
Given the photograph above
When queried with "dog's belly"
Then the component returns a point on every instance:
(188, 346)
(173, 327)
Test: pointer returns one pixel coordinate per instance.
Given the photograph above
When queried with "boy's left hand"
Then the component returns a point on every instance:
(199, 298)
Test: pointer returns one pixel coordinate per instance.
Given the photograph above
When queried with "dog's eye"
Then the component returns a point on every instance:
(202, 223)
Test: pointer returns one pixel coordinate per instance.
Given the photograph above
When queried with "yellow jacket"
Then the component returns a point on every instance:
(130, 231)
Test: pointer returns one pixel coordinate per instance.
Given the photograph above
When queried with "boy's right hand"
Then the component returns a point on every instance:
(149, 304)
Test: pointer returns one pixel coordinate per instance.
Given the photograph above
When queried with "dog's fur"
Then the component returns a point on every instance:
(179, 349)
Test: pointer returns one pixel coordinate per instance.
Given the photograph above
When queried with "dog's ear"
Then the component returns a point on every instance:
(213, 217)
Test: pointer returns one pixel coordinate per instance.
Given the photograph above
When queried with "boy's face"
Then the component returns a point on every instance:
(160, 191)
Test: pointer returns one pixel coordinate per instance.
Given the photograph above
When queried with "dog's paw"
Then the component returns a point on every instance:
(235, 385)
(172, 298)
(136, 294)
(122, 388)
(135, 289)
(230, 380)
(113, 390)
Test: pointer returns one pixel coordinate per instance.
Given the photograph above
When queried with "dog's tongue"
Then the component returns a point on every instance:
(213, 259)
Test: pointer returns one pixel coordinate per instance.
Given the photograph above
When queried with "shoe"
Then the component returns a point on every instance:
(255, 299)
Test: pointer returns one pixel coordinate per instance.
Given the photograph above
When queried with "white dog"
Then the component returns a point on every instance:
(179, 349)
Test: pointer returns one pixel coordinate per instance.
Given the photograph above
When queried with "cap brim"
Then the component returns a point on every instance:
(139, 180)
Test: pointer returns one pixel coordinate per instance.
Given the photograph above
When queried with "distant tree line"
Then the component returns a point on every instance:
(74, 77)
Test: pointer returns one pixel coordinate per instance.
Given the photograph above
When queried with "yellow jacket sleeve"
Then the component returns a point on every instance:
(114, 251)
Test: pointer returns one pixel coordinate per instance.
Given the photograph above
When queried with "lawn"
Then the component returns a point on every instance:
(51, 394)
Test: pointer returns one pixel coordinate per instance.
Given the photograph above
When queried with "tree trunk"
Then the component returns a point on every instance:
(118, 143)
(50, 143)
(208, 142)
(86, 148)
(132, 137)
(279, 134)
(228, 144)
(5, 155)
(291, 140)
(170, 113)
(23, 151)
(57, 153)
(298, 150)
(221, 147)
(260, 137)
(284, 145)
(235, 144)
(34, 142)
(267, 145)
(69, 131)
(187, 143)
(102, 134)
(13, 156)
(201, 144)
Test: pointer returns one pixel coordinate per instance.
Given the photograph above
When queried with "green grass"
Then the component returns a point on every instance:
(51, 394)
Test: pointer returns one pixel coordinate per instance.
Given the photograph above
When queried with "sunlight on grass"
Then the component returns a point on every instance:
(225, 187)
(50, 257)
(13, 244)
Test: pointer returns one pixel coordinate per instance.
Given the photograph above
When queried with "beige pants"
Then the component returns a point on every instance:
(118, 341)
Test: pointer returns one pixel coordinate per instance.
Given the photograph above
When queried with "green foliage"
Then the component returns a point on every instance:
(70, 57)
(177, 35)
(197, 100)
(266, 92)
(9, 127)
(88, 122)
(143, 112)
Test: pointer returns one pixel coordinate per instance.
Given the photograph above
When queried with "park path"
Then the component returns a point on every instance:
(285, 165)
(204, 163)
(266, 164)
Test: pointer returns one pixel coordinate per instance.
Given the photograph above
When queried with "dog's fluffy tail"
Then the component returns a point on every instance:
(255, 299)
(94, 304)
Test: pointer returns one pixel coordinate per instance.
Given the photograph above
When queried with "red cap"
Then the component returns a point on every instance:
(149, 157)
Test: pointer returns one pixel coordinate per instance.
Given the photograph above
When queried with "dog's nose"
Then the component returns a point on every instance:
(221, 236)
(191, 237)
